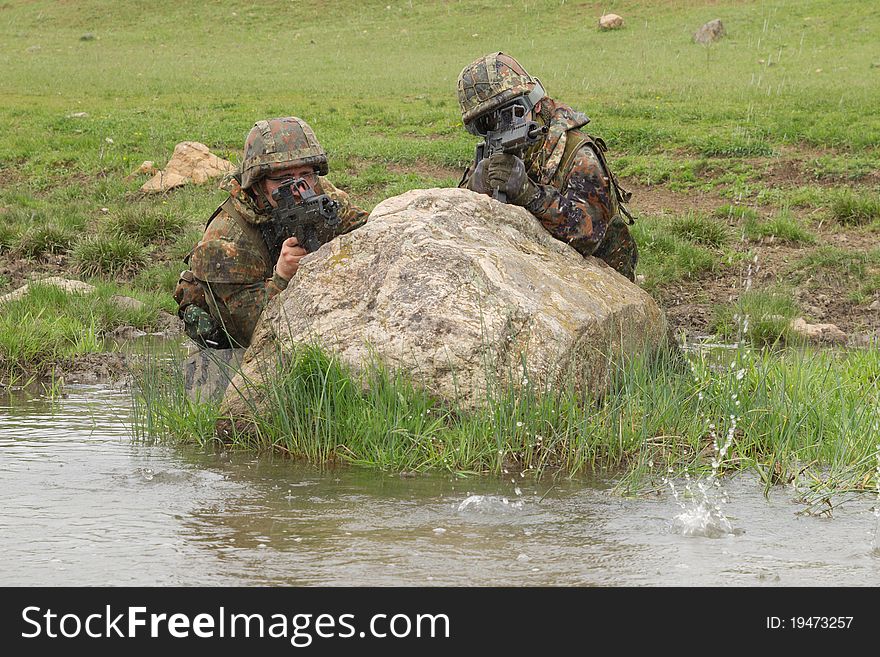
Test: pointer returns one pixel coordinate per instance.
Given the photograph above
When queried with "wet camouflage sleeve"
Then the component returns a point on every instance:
(350, 215)
(239, 306)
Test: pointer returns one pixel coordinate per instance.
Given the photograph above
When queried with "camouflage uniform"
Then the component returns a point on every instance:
(577, 198)
(232, 277)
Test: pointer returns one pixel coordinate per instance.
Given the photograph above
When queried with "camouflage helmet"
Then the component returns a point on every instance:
(278, 144)
(493, 81)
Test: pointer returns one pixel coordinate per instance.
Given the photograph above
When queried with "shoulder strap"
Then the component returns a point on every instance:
(599, 147)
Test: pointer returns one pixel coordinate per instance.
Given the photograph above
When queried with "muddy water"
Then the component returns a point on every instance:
(84, 505)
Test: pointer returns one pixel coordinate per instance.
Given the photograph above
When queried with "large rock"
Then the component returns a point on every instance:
(191, 162)
(454, 287)
(710, 32)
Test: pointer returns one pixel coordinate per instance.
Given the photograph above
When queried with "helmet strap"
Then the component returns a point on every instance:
(535, 95)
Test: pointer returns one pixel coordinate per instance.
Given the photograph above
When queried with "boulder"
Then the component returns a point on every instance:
(191, 162)
(457, 290)
(819, 333)
(71, 286)
(610, 22)
(710, 32)
(207, 373)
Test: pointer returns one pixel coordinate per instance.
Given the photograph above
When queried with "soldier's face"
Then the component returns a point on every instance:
(270, 184)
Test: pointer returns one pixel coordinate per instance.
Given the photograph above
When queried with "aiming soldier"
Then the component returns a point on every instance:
(280, 206)
(536, 156)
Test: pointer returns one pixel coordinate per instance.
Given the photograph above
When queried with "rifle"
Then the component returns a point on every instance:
(312, 218)
(509, 133)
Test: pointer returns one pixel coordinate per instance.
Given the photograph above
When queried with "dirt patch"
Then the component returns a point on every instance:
(657, 199)
(690, 304)
(15, 272)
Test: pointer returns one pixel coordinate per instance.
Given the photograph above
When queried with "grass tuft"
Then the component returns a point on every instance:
(855, 209)
(109, 255)
(784, 227)
(759, 317)
(737, 213)
(44, 240)
(148, 224)
(700, 230)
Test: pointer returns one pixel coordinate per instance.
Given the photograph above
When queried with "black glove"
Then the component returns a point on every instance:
(507, 174)
(477, 181)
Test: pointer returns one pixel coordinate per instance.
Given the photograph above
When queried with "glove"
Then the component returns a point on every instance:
(477, 181)
(507, 174)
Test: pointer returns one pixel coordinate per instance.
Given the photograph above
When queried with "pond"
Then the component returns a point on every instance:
(83, 504)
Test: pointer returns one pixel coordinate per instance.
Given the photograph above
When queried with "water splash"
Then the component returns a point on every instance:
(488, 504)
(701, 501)
(701, 515)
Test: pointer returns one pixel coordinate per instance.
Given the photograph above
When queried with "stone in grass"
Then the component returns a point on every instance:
(88, 36)
(456, 290)
(710, 32)
(126, 303)
(818, 333)
(71, 286)
(191, 162)
(610, 22)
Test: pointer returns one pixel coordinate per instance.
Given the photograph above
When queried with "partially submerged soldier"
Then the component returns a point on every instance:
(547, 165)
(249, 251)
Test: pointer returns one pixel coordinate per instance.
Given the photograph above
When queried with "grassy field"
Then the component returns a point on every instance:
(754, 161)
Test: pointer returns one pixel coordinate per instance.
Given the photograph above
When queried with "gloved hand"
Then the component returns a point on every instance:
(507, 173)
(477, 181)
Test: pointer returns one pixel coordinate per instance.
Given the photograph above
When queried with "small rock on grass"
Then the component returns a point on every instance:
(71, 286)
(191, 162)
(710, 32)
(126, 303)
(147, 166)
(610, 22)
(820, 333)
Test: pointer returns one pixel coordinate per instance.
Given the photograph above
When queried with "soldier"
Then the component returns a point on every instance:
(240, 263)
(562, 178)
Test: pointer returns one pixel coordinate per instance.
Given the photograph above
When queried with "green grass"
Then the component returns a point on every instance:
(109, 255)
(44, 240)
(9, 236)
(810, 415)
(147, 223)
(850, 208)
(61, 325)
(737, 213)
(758, 317)
(855, 272)
(784, 226)
(666, 256)
(701, 230)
